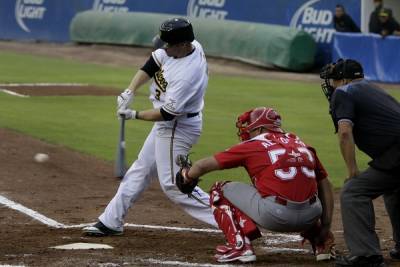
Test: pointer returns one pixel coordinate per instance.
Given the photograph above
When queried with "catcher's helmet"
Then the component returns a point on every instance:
(261, 117)
(176, 30)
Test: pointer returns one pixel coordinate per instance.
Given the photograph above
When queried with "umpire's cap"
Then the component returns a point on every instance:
(176, 30)
(342, 69)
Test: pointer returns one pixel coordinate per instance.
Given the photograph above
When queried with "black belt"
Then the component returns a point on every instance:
(191, 115)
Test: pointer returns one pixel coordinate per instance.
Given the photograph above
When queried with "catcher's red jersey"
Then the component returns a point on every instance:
(279, 164)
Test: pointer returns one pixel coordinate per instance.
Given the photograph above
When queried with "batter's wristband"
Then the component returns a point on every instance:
(137, 115)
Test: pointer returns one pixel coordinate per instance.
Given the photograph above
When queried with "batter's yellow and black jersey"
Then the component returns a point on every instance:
(179, 84)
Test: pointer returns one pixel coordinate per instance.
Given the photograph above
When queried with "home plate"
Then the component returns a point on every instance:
(83, 246)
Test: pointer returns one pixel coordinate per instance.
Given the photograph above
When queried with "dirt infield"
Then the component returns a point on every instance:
(59, 90)
(72, 188)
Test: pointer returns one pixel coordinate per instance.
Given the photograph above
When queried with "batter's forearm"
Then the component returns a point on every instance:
(138, 80)
(202, 167)
(149, 115)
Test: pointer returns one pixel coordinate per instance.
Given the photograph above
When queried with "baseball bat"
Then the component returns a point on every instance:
(120, 157)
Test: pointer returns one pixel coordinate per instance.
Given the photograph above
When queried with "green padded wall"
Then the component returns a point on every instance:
(257, 43)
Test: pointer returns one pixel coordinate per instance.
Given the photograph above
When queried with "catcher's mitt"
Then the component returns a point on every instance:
(184, 186)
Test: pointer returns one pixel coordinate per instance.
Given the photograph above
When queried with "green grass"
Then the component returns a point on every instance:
(89, 124)
(18, 68)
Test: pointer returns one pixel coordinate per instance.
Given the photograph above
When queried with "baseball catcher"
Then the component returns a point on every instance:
(290, 191)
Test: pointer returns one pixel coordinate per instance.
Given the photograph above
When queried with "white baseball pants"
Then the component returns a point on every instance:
(154, 160)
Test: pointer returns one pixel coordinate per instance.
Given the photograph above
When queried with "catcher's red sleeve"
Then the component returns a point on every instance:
(232, 157)
(320, 171)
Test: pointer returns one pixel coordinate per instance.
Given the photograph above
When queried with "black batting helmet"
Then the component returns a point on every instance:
(176, 30)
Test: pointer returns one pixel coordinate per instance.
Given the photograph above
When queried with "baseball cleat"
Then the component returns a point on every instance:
(360, 261)
(245, 254)
(395, 254)
(99, 229)
(325, 253)
(223, 249)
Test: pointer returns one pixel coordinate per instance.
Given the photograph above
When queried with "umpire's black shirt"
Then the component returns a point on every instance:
(374, 113)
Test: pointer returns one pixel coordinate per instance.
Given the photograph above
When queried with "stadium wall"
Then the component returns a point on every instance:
(257, 43)
(48, 20)
(376, 54)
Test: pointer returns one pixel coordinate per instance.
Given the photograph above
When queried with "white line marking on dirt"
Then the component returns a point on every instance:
(31, 213)
(43, 84)
(182, 263)
(278, 238)
(110, 264)
(287, 237)
(78, 225)
(280, 250)
(157, 227)
(12, 93)
(178, 229)
(277, 241)
(12, 265)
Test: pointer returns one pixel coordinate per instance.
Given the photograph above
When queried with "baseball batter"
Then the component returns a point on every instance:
(290, 191)
(180, 78)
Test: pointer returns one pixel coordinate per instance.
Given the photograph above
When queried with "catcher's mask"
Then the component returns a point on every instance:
(254, 119)
(339, 70)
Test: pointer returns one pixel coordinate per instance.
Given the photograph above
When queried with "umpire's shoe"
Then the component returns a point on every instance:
(360, 261)
(99, 229)
(395, 254)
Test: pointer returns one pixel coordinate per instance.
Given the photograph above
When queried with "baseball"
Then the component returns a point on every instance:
(41, 157)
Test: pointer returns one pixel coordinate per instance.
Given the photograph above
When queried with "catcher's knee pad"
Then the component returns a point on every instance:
(216, 193)
(230, 217)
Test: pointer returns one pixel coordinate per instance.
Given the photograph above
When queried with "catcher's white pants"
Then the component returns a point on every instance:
(154, 160)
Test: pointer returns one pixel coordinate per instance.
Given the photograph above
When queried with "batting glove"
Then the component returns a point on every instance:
(127, 114)
(124, 99)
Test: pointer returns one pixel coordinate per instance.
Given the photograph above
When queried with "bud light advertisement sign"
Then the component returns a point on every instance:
(48, 20)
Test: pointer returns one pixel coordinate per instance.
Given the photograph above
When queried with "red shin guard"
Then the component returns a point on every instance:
(234, 223)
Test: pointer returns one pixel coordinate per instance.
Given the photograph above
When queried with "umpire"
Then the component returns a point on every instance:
(366, 116)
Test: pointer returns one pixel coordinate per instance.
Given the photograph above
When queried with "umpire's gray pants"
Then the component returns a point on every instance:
(358, 211)
(294, 217)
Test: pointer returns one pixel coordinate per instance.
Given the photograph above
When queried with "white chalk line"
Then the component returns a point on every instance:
(31, 213)
(167, 262)
(52, 223)
(280, 238)
(12, 265)
(43, 84)
(9, 92)
(181, 263)
(286, 250)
